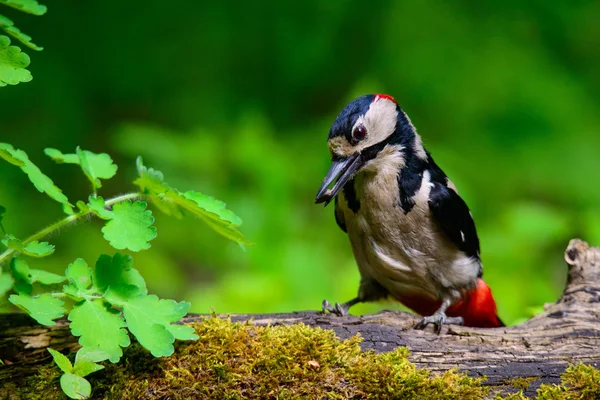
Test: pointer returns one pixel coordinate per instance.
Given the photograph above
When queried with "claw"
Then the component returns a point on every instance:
(438, 319)
(326, 306)
(339, 309)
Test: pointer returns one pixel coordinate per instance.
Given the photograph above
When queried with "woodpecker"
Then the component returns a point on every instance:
(412, 235)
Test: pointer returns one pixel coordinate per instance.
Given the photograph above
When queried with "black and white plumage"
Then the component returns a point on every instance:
(412, 235)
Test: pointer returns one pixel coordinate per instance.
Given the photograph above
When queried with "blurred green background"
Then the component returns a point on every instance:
(235, 99)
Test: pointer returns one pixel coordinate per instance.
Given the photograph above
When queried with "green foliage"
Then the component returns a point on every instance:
(13, 62)
(6, 283)
(170, 201)
(28, 6)
(61, 360)
(33, 249)
(72, 381)
(118, 270)
(26, 277)
(130, 226)
(12, 30)
(75, 386)
(94, 166)
(151, 321)
(99, 328)
(44, 308)
(110, 299)
(41, 182)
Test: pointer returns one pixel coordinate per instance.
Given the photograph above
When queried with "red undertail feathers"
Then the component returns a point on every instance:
(477, 308)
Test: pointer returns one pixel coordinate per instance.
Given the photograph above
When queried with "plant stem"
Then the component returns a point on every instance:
(63, 222)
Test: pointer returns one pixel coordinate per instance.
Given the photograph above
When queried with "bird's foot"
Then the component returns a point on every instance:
(438, 319)
(339, 309)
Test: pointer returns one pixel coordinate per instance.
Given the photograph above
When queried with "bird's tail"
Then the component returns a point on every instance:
(478, 307)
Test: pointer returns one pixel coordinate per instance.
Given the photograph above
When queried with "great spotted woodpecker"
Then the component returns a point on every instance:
(412, 235)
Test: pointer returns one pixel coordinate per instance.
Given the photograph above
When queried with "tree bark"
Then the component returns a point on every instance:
(568, 331)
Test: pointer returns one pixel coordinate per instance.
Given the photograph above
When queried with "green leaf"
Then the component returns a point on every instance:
(61, 360)
(80, 279)
(97, 205)
(41, 182)
(33, 249)
(94, 166)
(38, 249)
(83, 207)
(43, 308)
(45, 277)
(12, 64)
(171, 202)
(130, 227)
(22, 274)
(12, 30)
(117, 271)
(12, 242)
(75, 386)
(26, 277)
(85, 367)
(150, 319)
(215, 209)
(119, 295)
(93, 355)
(6, 283)
(100, 328)
(79, 274)
(150, 180)
(28, 6)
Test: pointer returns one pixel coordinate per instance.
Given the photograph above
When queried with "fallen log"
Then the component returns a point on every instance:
(539, 350)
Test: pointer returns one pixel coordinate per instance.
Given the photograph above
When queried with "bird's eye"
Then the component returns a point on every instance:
(359, 133)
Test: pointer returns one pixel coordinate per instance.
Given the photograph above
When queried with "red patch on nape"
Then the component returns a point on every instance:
(385, 96)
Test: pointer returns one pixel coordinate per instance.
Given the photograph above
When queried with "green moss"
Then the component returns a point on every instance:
(41, 386)
(522, 383)
(239, 360)
(581, 382)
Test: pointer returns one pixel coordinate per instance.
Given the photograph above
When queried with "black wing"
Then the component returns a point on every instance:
(452, 214)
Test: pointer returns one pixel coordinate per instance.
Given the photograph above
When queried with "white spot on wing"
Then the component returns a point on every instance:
(422, 196)
(418, 147)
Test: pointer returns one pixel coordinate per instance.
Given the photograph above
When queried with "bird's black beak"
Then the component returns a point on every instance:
(342, 169)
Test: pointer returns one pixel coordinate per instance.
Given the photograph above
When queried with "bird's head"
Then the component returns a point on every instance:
(360, 133)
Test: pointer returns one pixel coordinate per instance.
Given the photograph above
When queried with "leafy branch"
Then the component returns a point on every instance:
(110, 300)
(13, 62)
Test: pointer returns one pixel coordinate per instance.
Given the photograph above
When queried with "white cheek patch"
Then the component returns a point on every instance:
(387, 163)
(380, 121)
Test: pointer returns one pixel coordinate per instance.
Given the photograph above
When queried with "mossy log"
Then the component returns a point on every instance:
(539, 350)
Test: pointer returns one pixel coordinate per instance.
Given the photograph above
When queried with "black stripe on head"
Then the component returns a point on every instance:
(342, 126)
